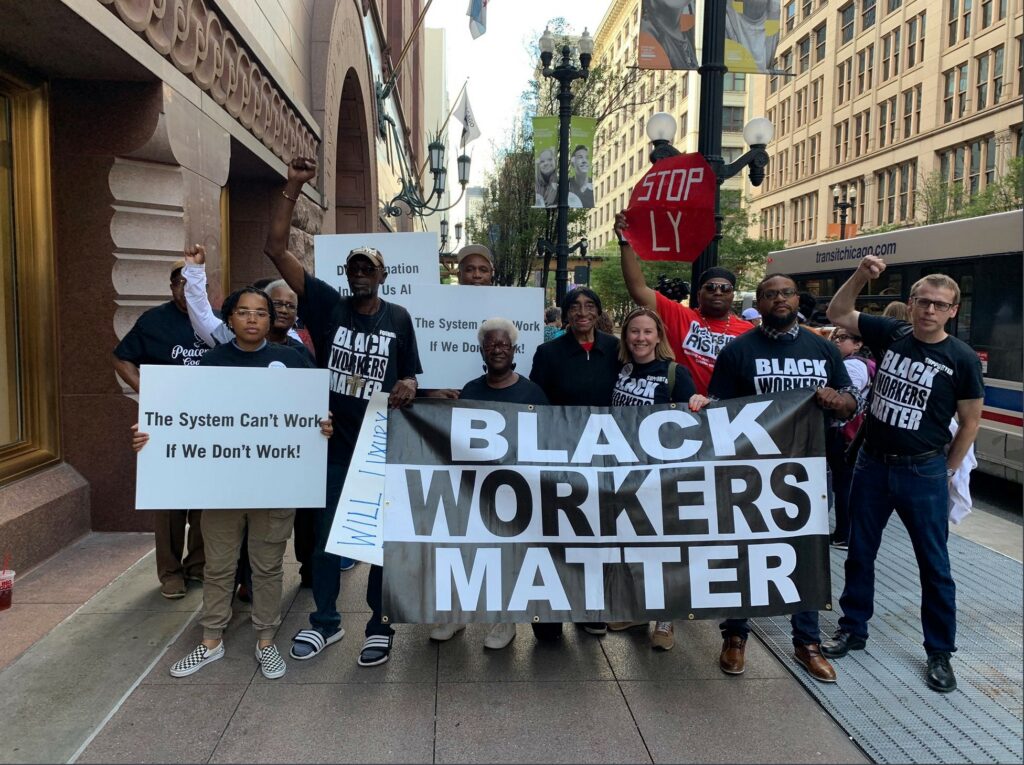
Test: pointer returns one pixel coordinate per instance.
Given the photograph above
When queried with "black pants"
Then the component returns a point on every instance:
(842, 477)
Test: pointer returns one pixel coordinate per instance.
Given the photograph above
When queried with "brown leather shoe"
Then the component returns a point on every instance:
(809, 657)
(731, 659)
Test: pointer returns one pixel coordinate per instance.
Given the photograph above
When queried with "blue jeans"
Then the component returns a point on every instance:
(920, 496)
(805, 628)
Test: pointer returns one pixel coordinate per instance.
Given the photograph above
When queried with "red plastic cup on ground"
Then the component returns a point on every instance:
(6, 589)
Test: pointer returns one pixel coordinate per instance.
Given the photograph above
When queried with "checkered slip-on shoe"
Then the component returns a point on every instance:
(195, 661)
(271, 664)
(376, 650)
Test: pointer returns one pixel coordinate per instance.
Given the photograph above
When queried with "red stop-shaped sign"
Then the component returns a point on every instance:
(671, 212)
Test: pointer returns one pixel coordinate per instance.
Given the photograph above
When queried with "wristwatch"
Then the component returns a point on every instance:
(622, 242)
(950, 472)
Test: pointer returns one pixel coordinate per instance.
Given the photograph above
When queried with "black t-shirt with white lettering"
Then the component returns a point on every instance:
(270, 355)
(162, 335)
(523, 391)
(754, 363)
(645, 384)
(364, 354)
(916, 387)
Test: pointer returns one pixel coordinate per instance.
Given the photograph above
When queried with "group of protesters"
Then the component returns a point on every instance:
(888, 388)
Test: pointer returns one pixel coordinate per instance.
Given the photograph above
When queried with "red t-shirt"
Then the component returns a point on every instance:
(696, 340)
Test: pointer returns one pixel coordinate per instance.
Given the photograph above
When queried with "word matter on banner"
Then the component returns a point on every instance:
(579, 514)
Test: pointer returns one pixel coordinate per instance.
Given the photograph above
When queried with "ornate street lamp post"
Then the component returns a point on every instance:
(843, 206)
(565, 72)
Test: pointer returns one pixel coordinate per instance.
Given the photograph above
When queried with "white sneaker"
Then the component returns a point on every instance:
(501, 635)
(195, 661)
(443, 632)
(271, 664)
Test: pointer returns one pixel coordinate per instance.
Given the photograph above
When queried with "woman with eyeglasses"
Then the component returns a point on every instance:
(249, 314)
(500, 382)
(578, 369)
(649, 375)
(861, 369)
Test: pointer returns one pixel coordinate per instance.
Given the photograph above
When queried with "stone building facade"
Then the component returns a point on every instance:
(128, 129)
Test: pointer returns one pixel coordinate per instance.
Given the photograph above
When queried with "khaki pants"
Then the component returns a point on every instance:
(223, 531)
(170, 543)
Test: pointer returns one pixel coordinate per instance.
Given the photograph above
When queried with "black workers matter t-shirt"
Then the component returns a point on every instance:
(754, 363)
(364, 354)
(644, 384)
(916, 387)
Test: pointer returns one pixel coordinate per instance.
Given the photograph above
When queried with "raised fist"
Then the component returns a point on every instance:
(195, 255)
(302, 169)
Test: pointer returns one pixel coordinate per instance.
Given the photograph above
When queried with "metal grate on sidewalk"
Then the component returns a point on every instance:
(881, 698)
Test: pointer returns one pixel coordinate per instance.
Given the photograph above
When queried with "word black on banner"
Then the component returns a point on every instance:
(510, 513)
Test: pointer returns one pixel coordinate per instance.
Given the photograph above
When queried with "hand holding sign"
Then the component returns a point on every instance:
(671, 213)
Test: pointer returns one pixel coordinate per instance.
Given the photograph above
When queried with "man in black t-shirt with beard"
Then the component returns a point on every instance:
(164, 335)
(368, 345)
(924, 377)
(777, 356)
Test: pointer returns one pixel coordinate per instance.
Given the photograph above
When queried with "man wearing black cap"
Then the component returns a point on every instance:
(368, 345)
(698, 335)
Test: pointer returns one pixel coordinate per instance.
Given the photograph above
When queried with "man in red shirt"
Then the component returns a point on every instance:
(698, 335)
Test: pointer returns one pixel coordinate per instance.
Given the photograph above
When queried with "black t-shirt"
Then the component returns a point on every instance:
(523, 391)
(364, 354)
(270, 355)
(162, 335)
(916, 387)
(754, 363)
(644, 384)
(299, 347)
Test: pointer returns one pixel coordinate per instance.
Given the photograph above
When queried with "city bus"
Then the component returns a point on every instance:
(985, 255)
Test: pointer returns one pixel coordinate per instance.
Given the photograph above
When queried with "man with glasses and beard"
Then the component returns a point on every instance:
(368, 345)
(924, 377)
(778, 356)
(698, 335)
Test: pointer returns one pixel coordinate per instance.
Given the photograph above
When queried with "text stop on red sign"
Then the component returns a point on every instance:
(671, 212)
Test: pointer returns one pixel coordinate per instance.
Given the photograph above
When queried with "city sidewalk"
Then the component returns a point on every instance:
(85, 651)
(96, 688)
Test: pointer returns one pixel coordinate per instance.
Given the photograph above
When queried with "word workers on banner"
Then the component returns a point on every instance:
(671, 212)
(447, 318)
(409, 257)
(510, 513)
(231, 437)
(358, 528)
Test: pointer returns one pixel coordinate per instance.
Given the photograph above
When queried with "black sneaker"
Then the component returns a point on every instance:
(376, 650)
(841, 644)
(840, 544)
(940, 675)
(595, 628)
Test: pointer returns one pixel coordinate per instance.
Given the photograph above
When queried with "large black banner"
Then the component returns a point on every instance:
(512, 513)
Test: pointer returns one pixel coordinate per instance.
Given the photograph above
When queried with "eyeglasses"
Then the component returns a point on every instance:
(500, 345)
(247, 313)
(283, 305)
(358, 269)
(924, 304)
(177, 282)
(580, 307)
(714, 287)
(786, 292)
(840, 338)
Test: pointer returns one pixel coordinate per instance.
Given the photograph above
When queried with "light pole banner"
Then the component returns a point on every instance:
(231, 437)
(751, 35)
(545, 151)
(667, 35)
(510, 513)
(411, 259)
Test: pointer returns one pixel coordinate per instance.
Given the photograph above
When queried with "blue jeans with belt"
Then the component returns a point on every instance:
(919, 493)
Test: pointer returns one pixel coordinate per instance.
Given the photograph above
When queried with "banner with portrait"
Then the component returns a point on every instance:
(545, 153)
(513, 513)
(751, 35)
(667, 35)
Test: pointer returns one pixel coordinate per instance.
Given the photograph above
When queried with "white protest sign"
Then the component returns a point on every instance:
(410, 258)
(231, 437)
(358, 528)
(447, 318)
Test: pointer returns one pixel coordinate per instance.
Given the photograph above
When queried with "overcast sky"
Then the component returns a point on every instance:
(498, 64)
